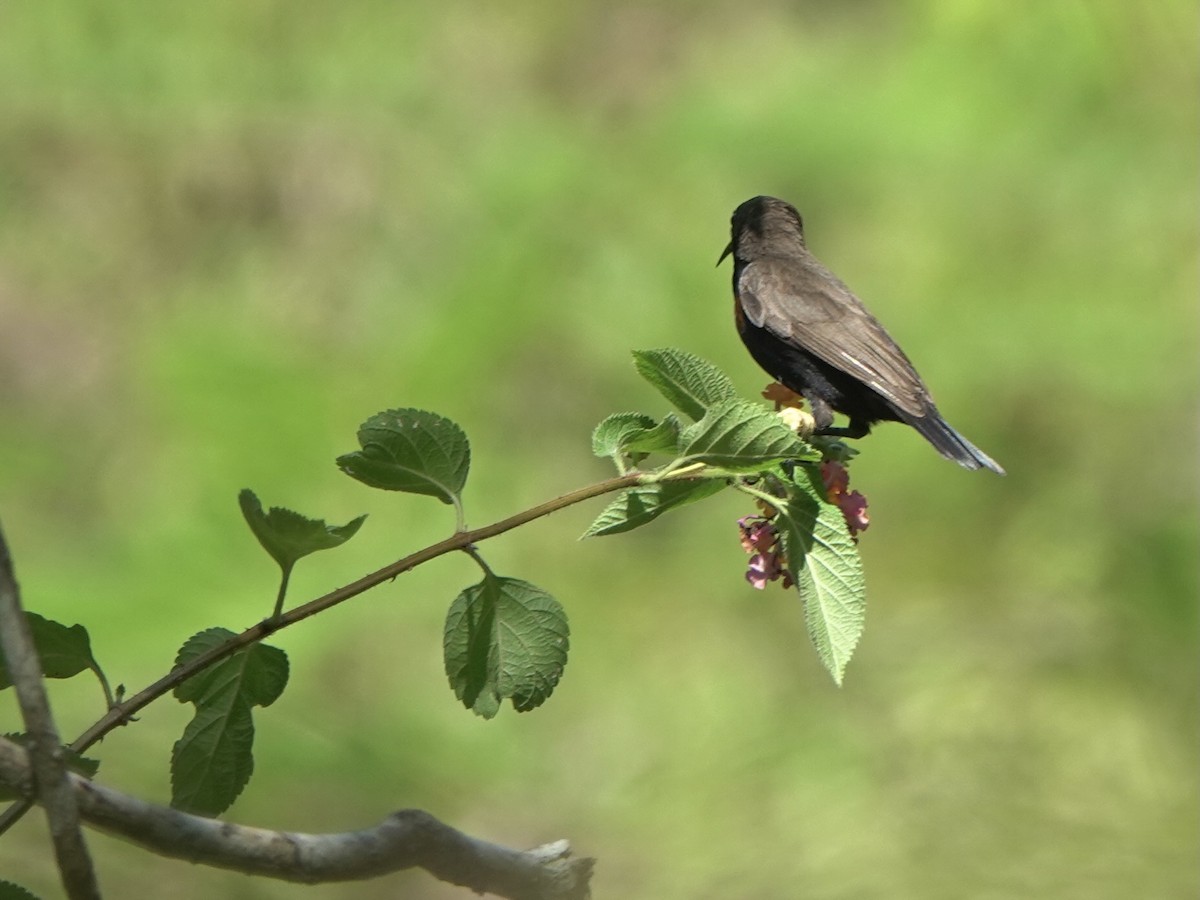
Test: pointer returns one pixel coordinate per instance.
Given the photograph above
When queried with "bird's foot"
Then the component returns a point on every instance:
(853, 430)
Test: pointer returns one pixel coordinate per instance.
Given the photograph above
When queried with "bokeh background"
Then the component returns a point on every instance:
(230, 231)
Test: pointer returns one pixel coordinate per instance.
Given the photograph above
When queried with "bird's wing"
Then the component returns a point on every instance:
(800, 301)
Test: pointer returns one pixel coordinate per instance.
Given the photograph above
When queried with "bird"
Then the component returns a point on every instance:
(814, 336)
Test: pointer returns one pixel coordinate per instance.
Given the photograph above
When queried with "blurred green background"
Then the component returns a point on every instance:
(231, 231)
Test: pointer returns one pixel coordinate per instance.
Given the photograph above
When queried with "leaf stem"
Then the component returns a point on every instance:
(460, 517)
(283, 586)
(104, 685)
(682, 472)
(472, 551)
(779, 503)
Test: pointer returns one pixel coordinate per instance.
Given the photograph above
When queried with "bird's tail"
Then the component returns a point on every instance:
(950, 443)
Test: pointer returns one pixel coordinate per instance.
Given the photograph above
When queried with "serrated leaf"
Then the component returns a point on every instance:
(827, 569)
(505, 639)
(288, 536)
(10, 891)
(689, 383)
(212, 762)
(81, 765)
(646, 502)
(411, 450)
(64, 650)
(743, 437)
(613, 433)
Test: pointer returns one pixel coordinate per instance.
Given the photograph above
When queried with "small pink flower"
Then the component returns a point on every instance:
(852, 503)
(759, 538)
(836, 479)
(854, 508)
(758, 535)
(764, 567)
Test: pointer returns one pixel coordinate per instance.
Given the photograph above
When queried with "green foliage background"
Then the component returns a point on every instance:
(231, 231)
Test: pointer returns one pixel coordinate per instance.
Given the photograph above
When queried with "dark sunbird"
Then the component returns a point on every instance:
(810, 333)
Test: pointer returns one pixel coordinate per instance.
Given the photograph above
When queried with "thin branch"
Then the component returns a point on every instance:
(122, 713)
(53, 790)
(405, 839)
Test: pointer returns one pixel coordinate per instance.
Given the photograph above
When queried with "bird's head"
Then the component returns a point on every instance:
(759, 220)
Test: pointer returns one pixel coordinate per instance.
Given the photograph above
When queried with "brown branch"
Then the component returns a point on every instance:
(406, 839)
(121, 713)
(49, 784)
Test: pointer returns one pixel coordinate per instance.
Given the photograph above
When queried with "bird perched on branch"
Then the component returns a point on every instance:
(805, 327)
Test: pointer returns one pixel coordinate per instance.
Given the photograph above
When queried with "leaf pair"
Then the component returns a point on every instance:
(727, 436)
(505, 639)
(730, 438)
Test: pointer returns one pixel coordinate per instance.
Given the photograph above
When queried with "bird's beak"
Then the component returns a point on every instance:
(725, 253)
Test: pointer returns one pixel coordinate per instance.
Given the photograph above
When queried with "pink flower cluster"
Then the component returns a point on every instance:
(761, 540)
(852, 504)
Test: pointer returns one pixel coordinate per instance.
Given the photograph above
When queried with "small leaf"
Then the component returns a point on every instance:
(505, 639)
(614, 432)
(646, 502)
(742, 436)
(64, 650)
(81, 765)
(212, 762)
(663, 438)
(689, 383)
(10, 891)
(411, 450)
(827, 569)
(287, 535)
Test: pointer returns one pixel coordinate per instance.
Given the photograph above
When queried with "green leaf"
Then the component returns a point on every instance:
(411, 450)
(64, 650)
(663, 438)
(505, 639)
(742, 436)
(634, 435)
(212, 762)
(827, 569)
(614, 432)
(81, 765)
(689, 383)
(10, 891)
(646, 502)
(289, 536)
